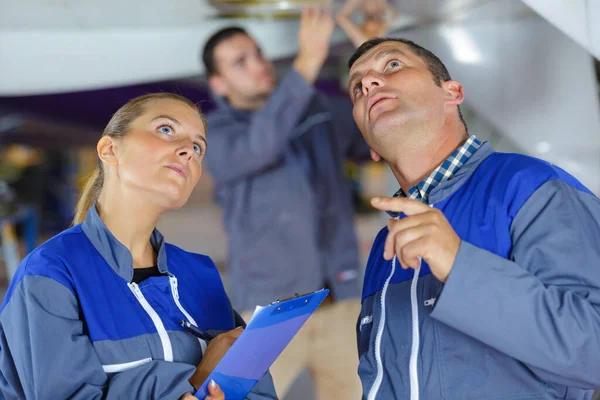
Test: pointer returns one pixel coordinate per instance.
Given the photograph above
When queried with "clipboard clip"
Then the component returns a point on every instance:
(294, 296)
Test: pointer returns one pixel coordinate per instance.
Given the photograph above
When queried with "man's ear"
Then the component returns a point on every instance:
(106, 150)
(453, 92)
(218, 85)
(374, 156)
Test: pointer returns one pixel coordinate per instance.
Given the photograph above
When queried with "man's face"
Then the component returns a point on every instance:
(393, 93)
(243, 73)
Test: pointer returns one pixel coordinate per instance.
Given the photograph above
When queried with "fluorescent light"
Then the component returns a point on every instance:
(462, 45)
(543, 147)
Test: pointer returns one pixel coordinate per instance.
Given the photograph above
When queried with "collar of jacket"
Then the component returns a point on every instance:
(114, 252)
(447, 188)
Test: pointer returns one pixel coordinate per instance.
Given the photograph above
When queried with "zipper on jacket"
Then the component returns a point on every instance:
(378, 338)
(160, 328)
(416, 336)
(414, 352)
(175, 293)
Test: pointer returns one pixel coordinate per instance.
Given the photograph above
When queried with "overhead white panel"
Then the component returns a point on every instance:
(574, 17)
(38, 61)
(105, 14)
(593, 14)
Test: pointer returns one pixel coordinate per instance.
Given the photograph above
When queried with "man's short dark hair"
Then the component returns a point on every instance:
(434, 64)
(208, 53)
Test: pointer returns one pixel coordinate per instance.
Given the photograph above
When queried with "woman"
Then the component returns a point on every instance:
(375, 19)
(94, 312)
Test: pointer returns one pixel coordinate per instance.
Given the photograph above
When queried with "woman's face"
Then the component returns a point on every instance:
(161, 154)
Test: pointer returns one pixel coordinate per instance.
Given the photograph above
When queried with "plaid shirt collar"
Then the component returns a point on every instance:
(443, 172)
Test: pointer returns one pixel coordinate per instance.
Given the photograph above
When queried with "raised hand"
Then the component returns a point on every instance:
(314, 35)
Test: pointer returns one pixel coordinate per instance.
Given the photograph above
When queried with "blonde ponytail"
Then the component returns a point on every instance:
(89, 195)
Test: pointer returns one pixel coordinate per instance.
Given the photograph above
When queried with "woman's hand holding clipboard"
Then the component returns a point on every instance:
(254, 349)
(216, 349)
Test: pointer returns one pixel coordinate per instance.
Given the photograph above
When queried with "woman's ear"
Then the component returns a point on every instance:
(106, 150)
(374, 156)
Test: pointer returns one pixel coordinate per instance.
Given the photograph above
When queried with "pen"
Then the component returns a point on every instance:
(194, 330)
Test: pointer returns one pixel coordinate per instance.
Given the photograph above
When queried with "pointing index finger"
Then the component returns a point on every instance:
(399, 204)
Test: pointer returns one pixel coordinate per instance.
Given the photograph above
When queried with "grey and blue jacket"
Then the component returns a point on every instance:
(519, 315)
(74, 325)
(287, 204)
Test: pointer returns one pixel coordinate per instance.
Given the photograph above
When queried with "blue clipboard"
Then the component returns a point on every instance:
(268, 333)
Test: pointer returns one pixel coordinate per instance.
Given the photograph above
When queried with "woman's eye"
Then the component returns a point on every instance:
(394, 64)
(166, 130)
(198, 149)
(357, 88)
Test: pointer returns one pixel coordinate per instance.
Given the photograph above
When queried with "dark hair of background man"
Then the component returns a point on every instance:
(208, 53)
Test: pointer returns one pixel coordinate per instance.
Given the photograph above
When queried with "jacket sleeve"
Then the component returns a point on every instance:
(541, 306)
(237, 150)
(45, 353)
(349, 137)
